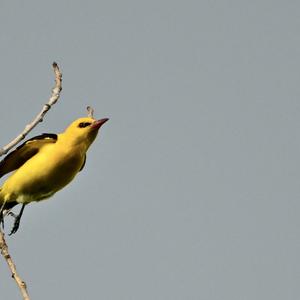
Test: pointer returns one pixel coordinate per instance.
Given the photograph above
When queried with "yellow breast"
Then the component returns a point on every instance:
(43, 175)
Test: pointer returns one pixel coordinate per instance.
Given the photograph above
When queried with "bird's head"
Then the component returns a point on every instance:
(84, 130)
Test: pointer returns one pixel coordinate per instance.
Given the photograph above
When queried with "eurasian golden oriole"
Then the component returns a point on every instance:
(45, 164)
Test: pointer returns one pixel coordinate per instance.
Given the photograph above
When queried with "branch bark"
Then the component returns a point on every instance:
(14, 274)
(39, 118)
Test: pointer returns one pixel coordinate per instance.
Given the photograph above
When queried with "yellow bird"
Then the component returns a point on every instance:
(45, 164)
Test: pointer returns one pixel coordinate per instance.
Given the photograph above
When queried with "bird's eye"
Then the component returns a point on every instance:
(84, 124)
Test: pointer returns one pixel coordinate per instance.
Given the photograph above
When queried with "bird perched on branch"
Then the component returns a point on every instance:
(45, 164)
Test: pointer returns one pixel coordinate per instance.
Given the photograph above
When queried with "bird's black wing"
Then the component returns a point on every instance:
(21, 154)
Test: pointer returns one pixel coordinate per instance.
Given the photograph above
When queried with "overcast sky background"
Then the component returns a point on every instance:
(191, 191)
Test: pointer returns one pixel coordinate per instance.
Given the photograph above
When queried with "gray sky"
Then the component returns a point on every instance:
(192, 189)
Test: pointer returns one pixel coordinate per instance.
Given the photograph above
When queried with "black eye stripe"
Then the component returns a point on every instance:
(84, 124)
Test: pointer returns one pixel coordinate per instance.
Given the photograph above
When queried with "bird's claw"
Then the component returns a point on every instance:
(2, 217)
(2, 221)
(16, 224)
(12, 214)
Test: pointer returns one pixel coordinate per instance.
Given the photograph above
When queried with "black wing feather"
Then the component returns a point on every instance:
(25, 151)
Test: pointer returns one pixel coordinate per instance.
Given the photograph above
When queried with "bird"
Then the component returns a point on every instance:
(45, 164)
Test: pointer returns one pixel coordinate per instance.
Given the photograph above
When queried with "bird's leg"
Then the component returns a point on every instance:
(17, 220)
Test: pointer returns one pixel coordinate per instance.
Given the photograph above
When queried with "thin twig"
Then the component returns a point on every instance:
(39, 118)
(21, 284)
(90, 111)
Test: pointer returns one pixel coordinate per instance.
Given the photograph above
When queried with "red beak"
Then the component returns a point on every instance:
(97, 124)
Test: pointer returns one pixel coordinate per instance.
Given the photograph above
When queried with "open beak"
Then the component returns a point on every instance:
(97, 124)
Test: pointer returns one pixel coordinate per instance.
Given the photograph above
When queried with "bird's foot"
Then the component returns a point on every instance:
(2, 216)
(16, 223)
(17, 220)
(1, 220)
(12, 214)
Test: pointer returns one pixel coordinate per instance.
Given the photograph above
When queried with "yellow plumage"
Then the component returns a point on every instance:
(45, 164)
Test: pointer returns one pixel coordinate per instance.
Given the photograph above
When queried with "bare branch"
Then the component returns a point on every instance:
(39, 118)
(90, 111)
(4, 251)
